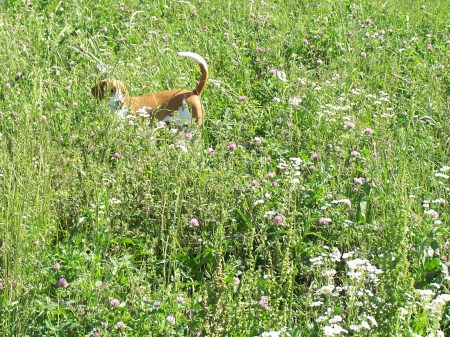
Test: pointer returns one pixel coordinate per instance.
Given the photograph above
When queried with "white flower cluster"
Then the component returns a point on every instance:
(291, 169)
(279, 333)
(360, 270)
(361, 267)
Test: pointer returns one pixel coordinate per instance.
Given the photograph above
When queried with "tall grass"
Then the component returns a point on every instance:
(312, 202)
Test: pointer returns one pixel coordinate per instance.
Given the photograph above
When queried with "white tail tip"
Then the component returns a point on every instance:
(197, 58)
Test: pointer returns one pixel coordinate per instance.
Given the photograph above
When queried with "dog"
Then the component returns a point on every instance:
(182, 105)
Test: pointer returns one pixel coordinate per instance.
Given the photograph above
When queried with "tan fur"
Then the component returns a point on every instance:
(158, 104)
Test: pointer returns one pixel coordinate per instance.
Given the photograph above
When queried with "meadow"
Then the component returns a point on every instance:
(314, 200)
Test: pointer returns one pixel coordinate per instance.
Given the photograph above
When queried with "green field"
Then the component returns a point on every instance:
(313, 201)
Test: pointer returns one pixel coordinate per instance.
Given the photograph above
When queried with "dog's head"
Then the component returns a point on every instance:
(112, 89)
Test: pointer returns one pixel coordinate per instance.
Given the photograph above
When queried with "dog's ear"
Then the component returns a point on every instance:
(99, 89)
(123, 88)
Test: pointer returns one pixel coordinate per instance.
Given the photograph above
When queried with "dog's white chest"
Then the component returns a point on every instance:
(122, 113)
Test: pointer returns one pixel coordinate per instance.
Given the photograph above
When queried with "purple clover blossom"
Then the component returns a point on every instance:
(62, 283)
(324, 221)
(368, 131)
(121, 326)
(278, 219)
(194, 222)
(114, 303)
(232, 147)
(264, 303)
(271, 175)
(349, 125)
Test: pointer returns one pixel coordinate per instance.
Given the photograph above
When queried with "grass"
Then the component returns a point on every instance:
(328, 217)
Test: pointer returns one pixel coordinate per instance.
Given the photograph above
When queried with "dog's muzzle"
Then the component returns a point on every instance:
(117, 101)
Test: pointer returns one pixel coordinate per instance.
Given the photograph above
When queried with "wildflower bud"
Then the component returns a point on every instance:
(62, 283)
(278, 219)
(193, 222)
(349, 125)
(264, 303)
(114, 303)
(368, 131)
(171, 319)
(121, 326)
(232, 147)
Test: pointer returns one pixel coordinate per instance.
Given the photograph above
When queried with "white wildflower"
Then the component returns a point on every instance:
(333, 330)
(440, 201)
(335, 255)
(354, 275)
(347, 255)
(329, 273)
(432, 213)
(365, 325)
(356, 263)
(316, 304)
(316, 261)
(372, 320)
(346, 202)
(281, 75)
(321, 319)
(295, 101)
(171, 319)
(355, 327)
(325, 289)
(425, 293)
(271, 334)
(335, 319)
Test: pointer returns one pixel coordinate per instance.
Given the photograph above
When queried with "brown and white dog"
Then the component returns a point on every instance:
(182, 105)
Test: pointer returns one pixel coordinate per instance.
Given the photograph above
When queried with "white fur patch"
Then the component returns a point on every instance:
(122, 113)
(116, 101)
(182, 117)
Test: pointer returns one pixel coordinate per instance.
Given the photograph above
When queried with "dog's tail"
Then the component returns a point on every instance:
(203, 68)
